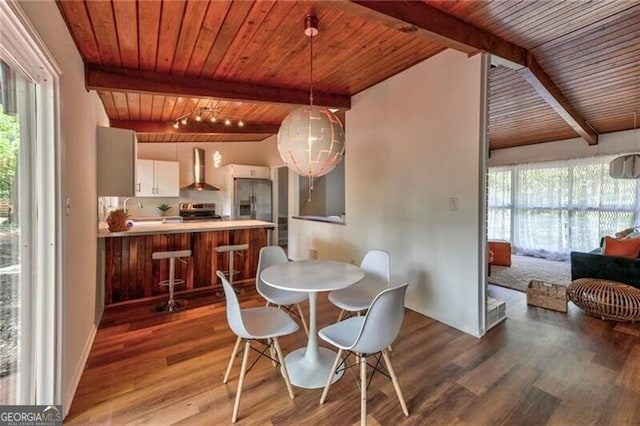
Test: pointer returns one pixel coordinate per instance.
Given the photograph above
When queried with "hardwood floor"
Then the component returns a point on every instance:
(537, 367)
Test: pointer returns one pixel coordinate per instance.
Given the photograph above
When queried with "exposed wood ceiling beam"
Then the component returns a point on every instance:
(149, 126)
(545, 87)
(125, 80)
(433, 24)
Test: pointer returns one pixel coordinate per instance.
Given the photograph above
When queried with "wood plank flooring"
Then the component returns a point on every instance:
(538, 367)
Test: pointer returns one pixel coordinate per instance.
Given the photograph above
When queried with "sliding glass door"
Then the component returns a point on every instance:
(17, 102)
(30, 340)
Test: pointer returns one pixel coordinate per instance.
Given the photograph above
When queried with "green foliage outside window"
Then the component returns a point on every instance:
(9, 143)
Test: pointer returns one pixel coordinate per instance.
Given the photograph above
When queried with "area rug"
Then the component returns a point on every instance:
(525, 268)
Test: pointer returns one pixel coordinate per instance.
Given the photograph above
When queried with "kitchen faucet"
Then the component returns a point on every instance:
(124, 205)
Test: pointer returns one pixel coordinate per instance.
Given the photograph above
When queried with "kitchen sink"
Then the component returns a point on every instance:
(153, 221)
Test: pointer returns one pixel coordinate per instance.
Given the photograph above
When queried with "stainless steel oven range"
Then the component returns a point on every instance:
(198, 211)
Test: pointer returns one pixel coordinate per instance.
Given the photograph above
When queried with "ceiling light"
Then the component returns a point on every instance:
(311, 139)
(203, 114)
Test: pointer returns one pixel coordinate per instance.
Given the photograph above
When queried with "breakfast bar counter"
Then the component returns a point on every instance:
(155, 227)
(130, 274)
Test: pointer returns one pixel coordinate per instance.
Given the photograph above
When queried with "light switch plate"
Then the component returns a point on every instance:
(453, 204)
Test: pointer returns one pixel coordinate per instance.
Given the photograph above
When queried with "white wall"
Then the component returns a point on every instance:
(609, 143)
(414, 142)
(80, 112)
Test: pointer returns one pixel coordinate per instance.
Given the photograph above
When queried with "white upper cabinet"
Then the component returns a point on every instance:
(145, 185)
(157, 178)
(116, 162)
(242, 171)
(167, 178)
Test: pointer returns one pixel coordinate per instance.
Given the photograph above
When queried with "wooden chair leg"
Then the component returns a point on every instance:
(325, 392)
(283, 368)
(363, 390)
(341, 315)
(233, 356)
(243, 371)
(394, 380)
(304, 322)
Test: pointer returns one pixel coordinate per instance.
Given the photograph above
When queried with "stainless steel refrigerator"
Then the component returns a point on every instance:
(252, 199)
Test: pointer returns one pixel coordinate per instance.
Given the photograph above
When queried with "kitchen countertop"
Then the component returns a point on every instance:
(182, 227)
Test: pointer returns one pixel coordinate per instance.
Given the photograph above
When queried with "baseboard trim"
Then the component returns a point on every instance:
(77, 374)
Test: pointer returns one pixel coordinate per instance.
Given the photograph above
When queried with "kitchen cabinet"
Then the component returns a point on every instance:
(157, 178)
(243, 171)
(116, 162)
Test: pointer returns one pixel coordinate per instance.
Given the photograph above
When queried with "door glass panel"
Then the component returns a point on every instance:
(15, 101)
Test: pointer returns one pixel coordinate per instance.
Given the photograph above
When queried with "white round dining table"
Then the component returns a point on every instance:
(310, 366)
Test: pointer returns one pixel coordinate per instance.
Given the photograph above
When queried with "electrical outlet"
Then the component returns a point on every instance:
(453, 204)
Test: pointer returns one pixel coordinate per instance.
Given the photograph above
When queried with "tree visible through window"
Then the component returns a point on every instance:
(9, 249)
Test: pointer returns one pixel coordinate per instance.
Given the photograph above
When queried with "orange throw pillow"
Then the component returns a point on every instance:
(629, 247)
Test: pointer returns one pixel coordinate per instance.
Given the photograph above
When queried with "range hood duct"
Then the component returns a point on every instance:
(198, 174)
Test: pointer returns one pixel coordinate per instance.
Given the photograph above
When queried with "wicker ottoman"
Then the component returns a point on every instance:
(608, 300)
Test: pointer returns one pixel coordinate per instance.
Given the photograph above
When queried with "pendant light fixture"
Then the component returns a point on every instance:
(626, 166)
(311, 138)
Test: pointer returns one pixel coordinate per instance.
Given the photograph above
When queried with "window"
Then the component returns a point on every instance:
(552, 208)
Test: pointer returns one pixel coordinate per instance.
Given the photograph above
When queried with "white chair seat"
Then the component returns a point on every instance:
(283, 297)
(263, 323)
(253, 325)
(357, 297)
(366, 336)
(273, 255)
(342, 334)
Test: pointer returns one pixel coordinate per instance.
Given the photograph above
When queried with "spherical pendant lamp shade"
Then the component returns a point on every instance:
(311, 141)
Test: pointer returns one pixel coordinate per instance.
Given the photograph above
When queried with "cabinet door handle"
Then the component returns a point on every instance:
(138, 186)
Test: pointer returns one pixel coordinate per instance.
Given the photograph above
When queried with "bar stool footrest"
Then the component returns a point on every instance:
(175, 282)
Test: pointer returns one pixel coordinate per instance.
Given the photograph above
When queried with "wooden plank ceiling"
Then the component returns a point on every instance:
(153, 62)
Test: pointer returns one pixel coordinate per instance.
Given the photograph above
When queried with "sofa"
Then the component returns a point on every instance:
(594, 265)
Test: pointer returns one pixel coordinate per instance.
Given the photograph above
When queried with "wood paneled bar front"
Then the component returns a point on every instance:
(130, 274)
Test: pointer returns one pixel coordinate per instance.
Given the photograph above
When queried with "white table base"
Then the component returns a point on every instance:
(309, 367)
(311, 374)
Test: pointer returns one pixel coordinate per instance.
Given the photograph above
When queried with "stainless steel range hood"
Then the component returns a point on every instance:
(198, 173)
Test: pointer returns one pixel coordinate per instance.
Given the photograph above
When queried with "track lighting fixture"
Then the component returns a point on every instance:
(205, 114)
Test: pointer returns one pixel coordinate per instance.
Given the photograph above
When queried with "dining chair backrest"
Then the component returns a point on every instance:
(382, 322)
(234, 314)
(269, 256)
(376, 265)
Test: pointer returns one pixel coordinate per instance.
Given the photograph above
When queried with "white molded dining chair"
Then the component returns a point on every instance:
(358, 297)
(273, 255)
(252, 324)
(368, 335)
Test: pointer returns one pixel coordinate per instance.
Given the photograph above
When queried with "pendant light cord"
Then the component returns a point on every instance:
(311, 72)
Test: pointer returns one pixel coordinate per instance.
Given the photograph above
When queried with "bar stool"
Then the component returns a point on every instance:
(231, 249)
(171, 305)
